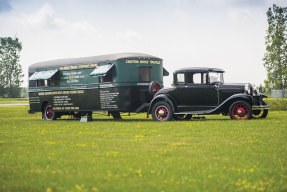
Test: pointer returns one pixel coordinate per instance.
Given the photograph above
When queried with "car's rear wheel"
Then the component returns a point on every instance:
(162, 111)
(182, 117)
(49, 113)
(240, 110)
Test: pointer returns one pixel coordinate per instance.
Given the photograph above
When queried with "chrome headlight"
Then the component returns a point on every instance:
(247, 88)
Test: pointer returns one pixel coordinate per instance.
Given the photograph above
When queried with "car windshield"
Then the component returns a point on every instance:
(215, 77)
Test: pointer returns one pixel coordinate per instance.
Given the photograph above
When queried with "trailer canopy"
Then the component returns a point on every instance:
(102, 70)
(43, 75)
(165, 72)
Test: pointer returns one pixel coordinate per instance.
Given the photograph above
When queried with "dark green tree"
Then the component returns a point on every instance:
(275, 57)
(11, 73)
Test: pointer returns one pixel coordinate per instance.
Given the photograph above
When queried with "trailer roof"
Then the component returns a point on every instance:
(86, 60)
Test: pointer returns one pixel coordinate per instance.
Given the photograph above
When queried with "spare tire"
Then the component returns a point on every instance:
(154, 87)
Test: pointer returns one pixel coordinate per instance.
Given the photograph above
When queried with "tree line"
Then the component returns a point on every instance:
(11, 73)
(275, 57)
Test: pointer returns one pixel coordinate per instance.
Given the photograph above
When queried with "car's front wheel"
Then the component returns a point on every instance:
(240, 110)
(162, 111)
(258, 114)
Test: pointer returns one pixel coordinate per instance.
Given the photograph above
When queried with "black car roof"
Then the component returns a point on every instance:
(86, 60)
(198, 69)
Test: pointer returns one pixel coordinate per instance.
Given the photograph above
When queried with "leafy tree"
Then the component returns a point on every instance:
(275, 57)
(10, 68)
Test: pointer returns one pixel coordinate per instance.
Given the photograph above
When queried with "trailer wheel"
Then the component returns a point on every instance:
(116, 115)
(48, 113)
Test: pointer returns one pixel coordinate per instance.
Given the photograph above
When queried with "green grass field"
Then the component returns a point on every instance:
(13, 100)
(138, 154)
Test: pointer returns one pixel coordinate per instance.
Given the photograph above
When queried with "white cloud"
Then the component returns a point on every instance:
(129, 36)
(240, 15)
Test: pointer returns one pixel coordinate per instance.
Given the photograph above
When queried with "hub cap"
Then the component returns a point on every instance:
(161, 112)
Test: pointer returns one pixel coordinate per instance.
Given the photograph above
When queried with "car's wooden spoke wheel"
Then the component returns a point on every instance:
(161, 112)
(240, 111)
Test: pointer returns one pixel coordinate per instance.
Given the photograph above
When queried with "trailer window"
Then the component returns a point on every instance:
(107, 78)
(40, 83)
(144, 74)
(45, 79)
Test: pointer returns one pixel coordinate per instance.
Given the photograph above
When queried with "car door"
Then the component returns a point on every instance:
(195, 94)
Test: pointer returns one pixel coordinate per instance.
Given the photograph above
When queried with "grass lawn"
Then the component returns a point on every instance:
(13, 100)
(138, 154)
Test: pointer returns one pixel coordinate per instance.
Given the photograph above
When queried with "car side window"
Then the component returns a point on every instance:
(180, 78)
(197, 78)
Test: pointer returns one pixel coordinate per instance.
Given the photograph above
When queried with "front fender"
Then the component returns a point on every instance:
(224, 106)
(162, 97)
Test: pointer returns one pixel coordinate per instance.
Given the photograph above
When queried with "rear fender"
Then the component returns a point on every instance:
(170, 100)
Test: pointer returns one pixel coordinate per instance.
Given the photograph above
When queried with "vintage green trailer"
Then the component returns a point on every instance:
(115, 83)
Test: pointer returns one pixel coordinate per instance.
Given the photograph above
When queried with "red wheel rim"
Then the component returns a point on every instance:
(240, 111)
(49, 113)
(161, 112)
(155, 88)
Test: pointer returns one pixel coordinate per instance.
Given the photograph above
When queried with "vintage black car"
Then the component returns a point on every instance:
(202, 91)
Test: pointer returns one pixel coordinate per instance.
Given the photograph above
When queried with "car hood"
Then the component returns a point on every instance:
(232, 86)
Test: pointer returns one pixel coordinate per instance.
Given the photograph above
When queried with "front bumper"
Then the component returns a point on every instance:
(259, 107)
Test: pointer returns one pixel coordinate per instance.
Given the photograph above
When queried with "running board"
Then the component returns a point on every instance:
(195, 112)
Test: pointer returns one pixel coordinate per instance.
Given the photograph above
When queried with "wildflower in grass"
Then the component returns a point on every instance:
(48, 190)
(209, 176)
(79, 187)
(152, 172)
(81, 144)
(177, 144)
(261, 189)
(139, 172)
(50, 142)
(95, 189)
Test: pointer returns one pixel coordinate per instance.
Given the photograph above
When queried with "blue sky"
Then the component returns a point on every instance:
(227, 34)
